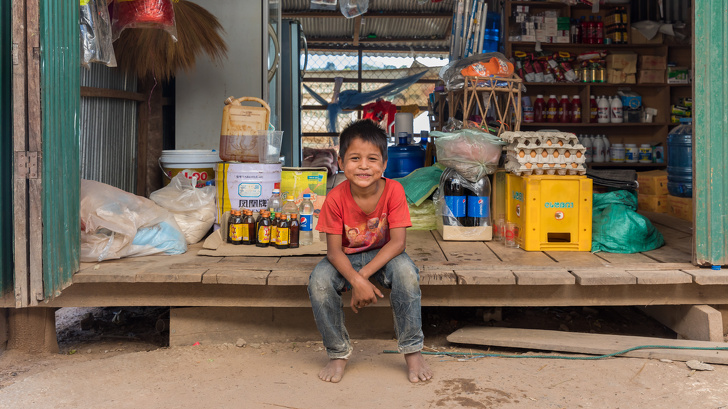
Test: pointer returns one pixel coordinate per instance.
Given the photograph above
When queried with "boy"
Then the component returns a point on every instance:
(365, 220)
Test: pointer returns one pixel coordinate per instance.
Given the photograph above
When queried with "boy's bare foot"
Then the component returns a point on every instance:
(418, 368)
(333, 371)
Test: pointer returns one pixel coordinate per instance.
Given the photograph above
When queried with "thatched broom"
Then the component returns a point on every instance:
(146, 51)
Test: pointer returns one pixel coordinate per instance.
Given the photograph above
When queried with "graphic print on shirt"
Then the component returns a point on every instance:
(372, 234)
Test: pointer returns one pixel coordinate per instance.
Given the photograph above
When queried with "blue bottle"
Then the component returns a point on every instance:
(680, 159)
(403, 158)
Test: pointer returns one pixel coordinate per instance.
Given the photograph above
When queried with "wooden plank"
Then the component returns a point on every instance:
(20, 199)
(298, 277)
(667, 254)
(35, 238)
(117, 275)
(519, 256)
(235, 277)
(603, 276)
(35, 144)
(438, 277)
(93, 92)
(696, 322)
(422, 246)
(592, 344)
(661, 276)
(250, 263)
(142, 131)
(619, 258)
(544, 277)
(705, 276)
(171, 276)
(501, 276)
(468, 252)
(576, 259)
(664, 219)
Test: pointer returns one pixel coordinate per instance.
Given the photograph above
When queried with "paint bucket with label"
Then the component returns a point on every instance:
(199, 164)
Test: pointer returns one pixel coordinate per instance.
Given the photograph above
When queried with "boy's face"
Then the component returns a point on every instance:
(362, 163)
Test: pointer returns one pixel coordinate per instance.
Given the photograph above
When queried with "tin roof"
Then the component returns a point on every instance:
(387, 25)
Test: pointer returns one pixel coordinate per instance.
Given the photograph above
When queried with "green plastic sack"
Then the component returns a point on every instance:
(423, 216)
(618, 228)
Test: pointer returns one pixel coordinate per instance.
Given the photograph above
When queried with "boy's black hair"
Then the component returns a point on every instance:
(366, 130)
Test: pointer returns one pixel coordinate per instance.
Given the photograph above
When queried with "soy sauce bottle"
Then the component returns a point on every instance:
(249, 228)
(235, 226)
(263, 229)
(283, 233)
(294, 227)
(274, 228)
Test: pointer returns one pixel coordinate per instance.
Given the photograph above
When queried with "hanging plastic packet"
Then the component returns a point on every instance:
(353, 8)
(95, 27)
(144, 14)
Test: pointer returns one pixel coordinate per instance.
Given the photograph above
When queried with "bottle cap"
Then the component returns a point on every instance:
(293, 216)
(715, 267)
(307, 195)
(645, 145)
(552, 96)
(539, 96)
(290, 199)
(276, 190)
(564, 97)
(575, 97)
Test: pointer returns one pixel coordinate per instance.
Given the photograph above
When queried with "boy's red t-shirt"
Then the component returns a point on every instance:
(360, 231)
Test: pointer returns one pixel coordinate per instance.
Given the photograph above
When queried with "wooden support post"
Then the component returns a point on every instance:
(218, 325)
(32, 330)
(149, 137)
(723, 309)
(695, 322)
(3, 328)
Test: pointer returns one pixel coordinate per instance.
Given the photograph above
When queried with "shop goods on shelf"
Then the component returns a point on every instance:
(544, 153)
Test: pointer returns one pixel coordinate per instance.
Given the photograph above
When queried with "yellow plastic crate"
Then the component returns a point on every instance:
(553, 213)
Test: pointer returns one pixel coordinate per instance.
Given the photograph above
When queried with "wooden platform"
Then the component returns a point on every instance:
(452, 274)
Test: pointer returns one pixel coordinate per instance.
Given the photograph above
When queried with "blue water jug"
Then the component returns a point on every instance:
(680, 159)
(403, 159)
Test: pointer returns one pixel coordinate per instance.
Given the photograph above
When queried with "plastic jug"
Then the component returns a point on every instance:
(403, 159)
(680, 159)
(239, 130)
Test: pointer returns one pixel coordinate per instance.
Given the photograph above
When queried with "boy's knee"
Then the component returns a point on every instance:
(406, 273)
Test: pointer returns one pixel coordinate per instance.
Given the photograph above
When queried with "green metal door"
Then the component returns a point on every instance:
(60, 78)
(6, 151)
(710, 132)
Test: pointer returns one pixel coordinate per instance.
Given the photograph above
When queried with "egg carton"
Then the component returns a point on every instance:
(561, 169)
(547, 155)
(538, 139)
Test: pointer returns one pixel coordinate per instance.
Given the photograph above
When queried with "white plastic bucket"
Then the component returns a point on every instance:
(198, 164)
(245, 185)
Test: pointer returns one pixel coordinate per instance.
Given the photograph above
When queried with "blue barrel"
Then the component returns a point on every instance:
(403, 159)
(680, 159)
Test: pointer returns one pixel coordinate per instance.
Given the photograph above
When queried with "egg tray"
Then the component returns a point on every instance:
(541, 139)
(562, 169)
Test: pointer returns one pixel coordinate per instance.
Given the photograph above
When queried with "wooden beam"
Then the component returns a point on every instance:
(93, 92)
(35, 145)
(372, 48)
(370, 14)
(346, 40)
(696, 322)
(357, 30)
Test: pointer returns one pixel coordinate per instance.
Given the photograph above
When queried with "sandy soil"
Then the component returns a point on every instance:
(131, 370)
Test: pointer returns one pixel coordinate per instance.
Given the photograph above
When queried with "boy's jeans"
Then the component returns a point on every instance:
(400, 275)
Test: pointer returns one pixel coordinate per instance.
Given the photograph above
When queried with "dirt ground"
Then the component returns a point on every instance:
(118, 358)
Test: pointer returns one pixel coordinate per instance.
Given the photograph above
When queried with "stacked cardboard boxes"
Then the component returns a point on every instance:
(652, 191)
(621, 67)
(652, 69)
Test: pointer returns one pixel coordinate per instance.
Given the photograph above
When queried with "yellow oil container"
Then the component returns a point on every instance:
(552, 213)
(239, 129)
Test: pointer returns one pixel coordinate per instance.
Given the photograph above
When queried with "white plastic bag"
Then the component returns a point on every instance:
(193, 208)
(116, 224)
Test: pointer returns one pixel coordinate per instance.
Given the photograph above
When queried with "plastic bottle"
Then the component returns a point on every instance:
(582, 30)
(593, 110)
(575, 31)
(607, 149)
(598, 150)
(599, 32)
(591, 28)
(274, 203)
(576, 109)
(564, 110)
(289, 207)
(603, 110)
(645, 155)
(680, 159)
(586, 141)
(552, 109)
(527, 109)
(615, 115)
(539, 106)
(631, 153)
(478, 203)
(306, 224)
(455, 199)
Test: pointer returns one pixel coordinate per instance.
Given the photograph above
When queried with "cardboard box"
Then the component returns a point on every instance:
(678, 75)
(653, 182)
(297, 181)
(459, 233)
(620, 77)
(653, 62)
(652, 203)
(651, 77)
(638, 38)
(680, 207)
(622, 61)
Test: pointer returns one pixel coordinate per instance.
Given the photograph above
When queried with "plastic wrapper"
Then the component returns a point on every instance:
(471, 152)
(423, 216)
(144, 14)
(463, 207)
(116, 224)
(451, 73)
(96, 39)
(618, 228)
(193, 208)
(353, 8)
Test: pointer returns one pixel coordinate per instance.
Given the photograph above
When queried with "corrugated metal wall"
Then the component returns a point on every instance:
(109, 130)
(6, 151)
(710, 132)
(60, 100)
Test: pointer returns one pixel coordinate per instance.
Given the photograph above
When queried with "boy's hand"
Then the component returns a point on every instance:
(364, 293)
